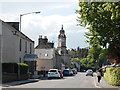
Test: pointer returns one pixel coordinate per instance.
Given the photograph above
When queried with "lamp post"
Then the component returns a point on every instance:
(26, 14)
(19, 34)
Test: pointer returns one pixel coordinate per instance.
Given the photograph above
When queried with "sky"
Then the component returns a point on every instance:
(48, 23)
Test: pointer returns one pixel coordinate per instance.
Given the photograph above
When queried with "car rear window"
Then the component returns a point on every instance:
(65, 71)
(89, 71)
(53, 71)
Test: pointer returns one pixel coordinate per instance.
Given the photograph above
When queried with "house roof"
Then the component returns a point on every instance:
(14, 25)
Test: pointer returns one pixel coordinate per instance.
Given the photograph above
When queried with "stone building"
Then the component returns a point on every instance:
(62, 48)
(47, 55)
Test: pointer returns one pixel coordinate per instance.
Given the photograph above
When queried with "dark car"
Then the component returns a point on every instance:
(61, 74)
(67, 72)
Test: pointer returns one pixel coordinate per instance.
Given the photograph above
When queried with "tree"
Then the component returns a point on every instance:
(78, 53)
(103, 21)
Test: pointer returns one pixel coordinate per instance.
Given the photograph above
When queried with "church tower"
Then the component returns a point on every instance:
(62, 42)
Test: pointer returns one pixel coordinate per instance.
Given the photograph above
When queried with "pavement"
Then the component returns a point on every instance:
(103, 83)
(19, 82)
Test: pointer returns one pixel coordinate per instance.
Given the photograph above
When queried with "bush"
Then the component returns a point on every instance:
(112, 76)
(13, 68)
(23, 68)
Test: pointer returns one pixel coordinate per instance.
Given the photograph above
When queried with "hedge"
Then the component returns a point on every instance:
(13, 68)
(23, 68)
(112, 76)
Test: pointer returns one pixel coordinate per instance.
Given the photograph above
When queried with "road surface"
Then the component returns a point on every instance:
(77, 81)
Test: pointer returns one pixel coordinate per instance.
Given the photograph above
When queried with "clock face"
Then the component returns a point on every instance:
(61, 40)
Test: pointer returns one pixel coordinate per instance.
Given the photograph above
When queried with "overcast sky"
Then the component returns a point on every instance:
(48, 23)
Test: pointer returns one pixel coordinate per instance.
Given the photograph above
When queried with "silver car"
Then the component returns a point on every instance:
(53, 73)
(89, 72)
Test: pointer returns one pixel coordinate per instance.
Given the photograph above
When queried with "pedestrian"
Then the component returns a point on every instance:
(99, 76)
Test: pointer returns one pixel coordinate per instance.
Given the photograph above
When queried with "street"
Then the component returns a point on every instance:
(77, 81)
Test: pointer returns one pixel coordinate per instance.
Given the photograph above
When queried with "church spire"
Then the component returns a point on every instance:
(62, 27)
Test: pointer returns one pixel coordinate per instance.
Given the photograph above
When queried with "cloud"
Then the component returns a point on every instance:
(48, 22)
(35, 25)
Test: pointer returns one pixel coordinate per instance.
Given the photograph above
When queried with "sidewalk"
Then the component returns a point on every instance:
(103, 83)
(18, 82)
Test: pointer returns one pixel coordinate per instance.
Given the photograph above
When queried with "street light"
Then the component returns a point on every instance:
(26, 14)
(19, 35)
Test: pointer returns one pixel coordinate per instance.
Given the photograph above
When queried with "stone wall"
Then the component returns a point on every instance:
(10, 77)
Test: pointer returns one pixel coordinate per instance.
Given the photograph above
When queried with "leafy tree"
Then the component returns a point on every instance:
(78, 53)
(103, 21)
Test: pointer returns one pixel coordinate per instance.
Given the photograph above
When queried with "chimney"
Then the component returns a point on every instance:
(40, 36)
(14, 24)
(45, 37)
(40, 39)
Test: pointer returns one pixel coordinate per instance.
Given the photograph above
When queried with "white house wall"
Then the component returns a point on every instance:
(45, 64)
(46, 59)
(11, 44)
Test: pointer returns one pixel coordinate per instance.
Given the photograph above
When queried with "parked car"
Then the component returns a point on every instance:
(61, 74)
(53, 73)
(74, 71)
(67, 72)
(89, 72)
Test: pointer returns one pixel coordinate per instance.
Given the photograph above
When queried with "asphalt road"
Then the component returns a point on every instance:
(77, 81)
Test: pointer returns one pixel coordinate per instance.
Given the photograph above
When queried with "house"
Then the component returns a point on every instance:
(47, 55)
(15, 46)
(46, 59)
(76, 65)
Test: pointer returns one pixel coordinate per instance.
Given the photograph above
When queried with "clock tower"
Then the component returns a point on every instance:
(62, 42)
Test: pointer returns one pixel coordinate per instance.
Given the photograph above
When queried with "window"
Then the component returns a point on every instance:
(26, 47)
(20, 60)
(30, 48)
(46, 54)
(20, 45)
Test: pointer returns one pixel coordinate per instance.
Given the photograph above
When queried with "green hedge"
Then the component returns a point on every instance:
(112, 76)
(23, 68)
(13, 68)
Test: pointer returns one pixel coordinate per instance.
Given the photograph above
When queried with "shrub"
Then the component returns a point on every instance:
(23, 68)
(112, 76)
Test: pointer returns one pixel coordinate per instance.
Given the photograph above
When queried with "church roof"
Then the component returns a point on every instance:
(62, 33)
